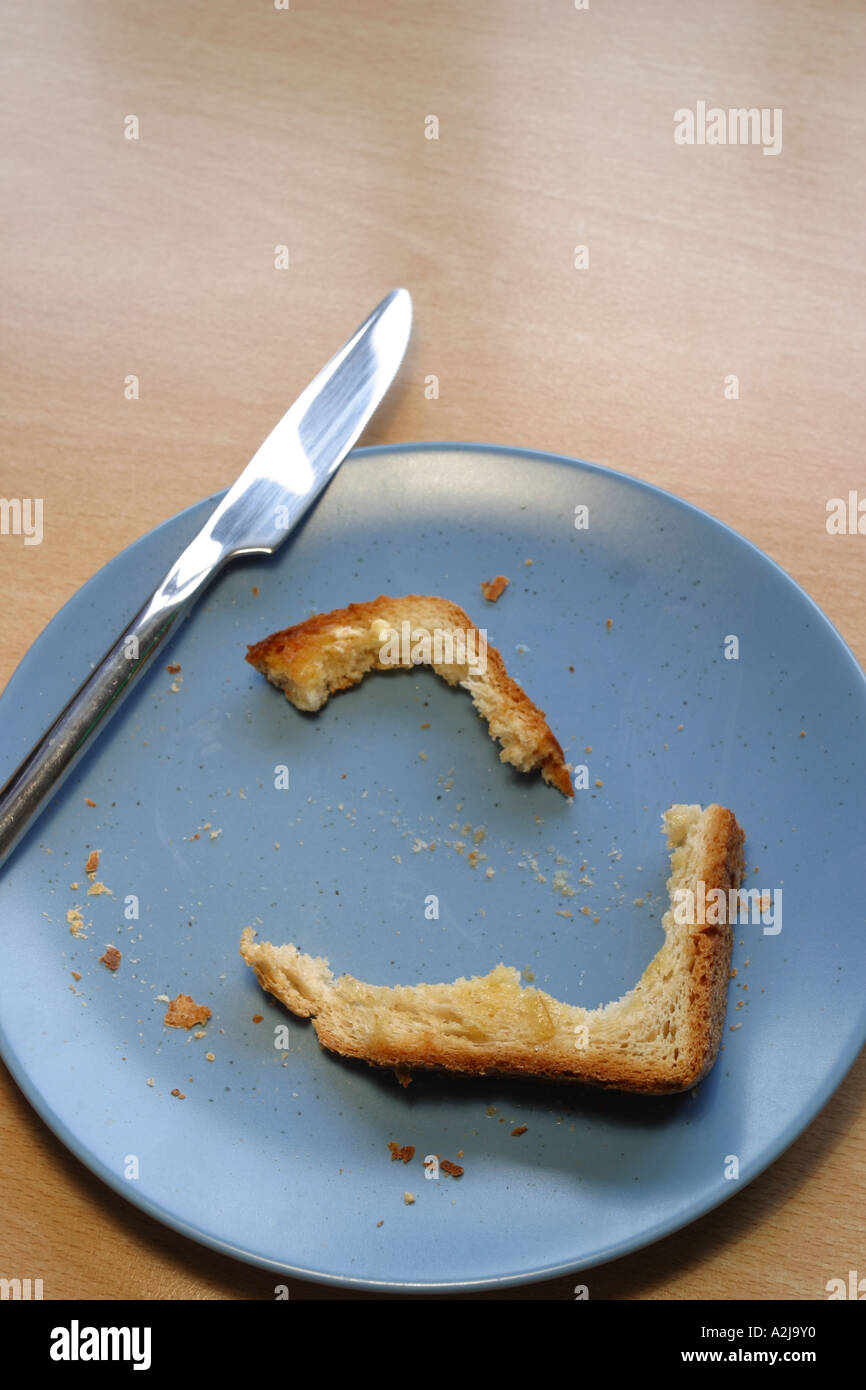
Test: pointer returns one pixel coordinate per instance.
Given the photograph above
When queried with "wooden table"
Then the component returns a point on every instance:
(260, 128)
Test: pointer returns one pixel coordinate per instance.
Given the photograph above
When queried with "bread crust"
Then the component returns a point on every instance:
(333, 651)
(702, 953)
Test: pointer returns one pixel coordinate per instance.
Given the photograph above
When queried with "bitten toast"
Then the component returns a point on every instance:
(333, 651)
(662, 1036)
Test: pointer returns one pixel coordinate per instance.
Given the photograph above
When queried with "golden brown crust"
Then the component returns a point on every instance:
(292, 659)
(723, 868)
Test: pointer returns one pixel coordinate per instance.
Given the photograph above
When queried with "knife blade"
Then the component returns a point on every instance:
(279, 484)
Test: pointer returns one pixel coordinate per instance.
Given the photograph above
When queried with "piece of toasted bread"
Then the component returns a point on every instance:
(333, 651)
(661, 1036)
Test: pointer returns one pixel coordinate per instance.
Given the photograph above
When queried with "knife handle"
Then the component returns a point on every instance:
(53, 757)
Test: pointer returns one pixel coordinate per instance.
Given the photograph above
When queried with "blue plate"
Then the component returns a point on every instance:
(619, 630)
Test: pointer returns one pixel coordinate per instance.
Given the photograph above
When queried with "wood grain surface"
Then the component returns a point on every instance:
(307, 128)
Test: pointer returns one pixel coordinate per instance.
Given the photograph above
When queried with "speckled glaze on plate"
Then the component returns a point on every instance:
(278, 1153)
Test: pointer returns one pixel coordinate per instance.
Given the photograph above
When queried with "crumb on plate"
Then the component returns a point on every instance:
(492, 589)
(183, 1012)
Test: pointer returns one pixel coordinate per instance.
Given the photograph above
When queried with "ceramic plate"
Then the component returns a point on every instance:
(622, 630)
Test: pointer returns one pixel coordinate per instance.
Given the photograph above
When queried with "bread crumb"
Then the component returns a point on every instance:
(200, 1033)
(421, 726)
(408, 1199)
(401, 1154)
(173, 669)
(209, 1057)
(802, 733)
(459, 1153)
(96, 889)
(493, 588)
(258, 1018)
(180, 1095)
(588, 748)
(88, 802)
(150, 1081)
(521, 1129)
(111, 958)
(452, 1169)
(598, 782)
(379, 1223)
(75, 975)
(609, 624)
(92, 862)
(527, 974)
(255, 591)
(76, 921)
(183, 1012)
(423, 757)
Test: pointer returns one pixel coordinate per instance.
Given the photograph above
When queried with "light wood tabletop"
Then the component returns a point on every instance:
(583, 282)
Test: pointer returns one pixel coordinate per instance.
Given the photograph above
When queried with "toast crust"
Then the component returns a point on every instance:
(681, 997)
(334, 651)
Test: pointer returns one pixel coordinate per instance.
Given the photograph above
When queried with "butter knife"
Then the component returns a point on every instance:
(279, 484)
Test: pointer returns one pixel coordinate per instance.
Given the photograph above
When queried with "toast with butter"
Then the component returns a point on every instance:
(662, 1036)
(333, 651)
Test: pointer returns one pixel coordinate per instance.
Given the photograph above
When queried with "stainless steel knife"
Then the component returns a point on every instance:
(278, 485)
